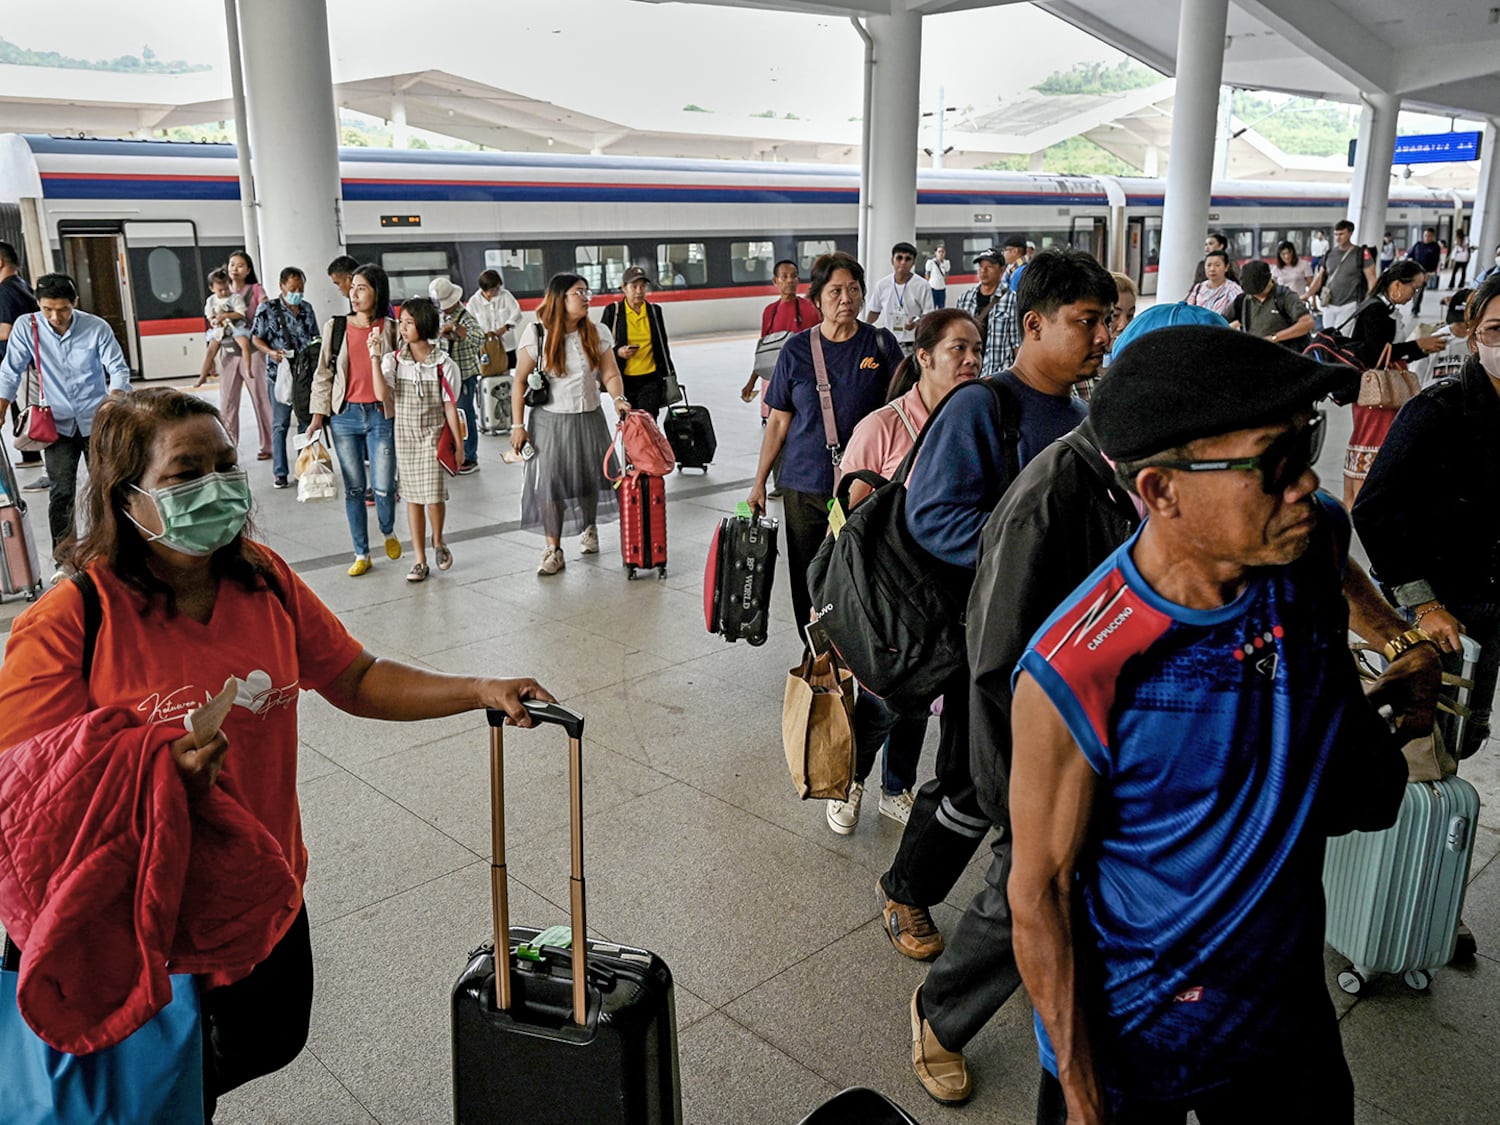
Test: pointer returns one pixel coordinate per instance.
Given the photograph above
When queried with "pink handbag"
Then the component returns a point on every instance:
(639, 448)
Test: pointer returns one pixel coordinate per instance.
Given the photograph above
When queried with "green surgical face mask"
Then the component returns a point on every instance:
(200, 516)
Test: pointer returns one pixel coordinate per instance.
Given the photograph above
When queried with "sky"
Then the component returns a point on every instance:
(593, 55)
(608, 56)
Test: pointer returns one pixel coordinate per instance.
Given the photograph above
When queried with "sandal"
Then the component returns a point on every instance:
(417, 573)
(444, 557)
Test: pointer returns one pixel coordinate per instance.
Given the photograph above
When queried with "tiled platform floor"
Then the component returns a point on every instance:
(697, 847)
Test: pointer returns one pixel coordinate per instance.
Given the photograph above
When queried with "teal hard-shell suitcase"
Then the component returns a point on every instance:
(1394, 896)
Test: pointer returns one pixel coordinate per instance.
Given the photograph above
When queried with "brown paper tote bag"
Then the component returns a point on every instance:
(817, 728)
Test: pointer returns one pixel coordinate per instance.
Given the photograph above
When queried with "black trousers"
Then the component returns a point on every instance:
(946, 824)
(804, 518)
(258, 1025)
(61, 458)
(645, 392)
(1308, 1084)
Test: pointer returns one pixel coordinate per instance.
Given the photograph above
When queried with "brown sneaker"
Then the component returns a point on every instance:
(910, 928)
(943, 1073)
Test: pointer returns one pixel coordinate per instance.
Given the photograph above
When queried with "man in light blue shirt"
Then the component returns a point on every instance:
(81, 363)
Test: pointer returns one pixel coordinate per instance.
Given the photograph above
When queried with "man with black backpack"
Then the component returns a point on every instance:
(1269, 310)
(971, 451)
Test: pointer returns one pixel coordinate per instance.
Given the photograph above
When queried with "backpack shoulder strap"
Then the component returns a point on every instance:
(336, 338)
(905, 419)
(825, 397)
(1010, 428)
(93, 618)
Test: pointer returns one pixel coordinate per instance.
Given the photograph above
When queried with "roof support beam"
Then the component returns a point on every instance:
(1328, 34)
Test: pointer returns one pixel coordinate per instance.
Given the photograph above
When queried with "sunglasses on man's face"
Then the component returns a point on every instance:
(1280, 466)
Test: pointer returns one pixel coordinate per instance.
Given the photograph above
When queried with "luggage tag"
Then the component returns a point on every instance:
(205, 722)
(554, 937)
(836, 517)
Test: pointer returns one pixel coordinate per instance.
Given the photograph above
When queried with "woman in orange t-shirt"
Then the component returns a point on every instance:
(187, 601)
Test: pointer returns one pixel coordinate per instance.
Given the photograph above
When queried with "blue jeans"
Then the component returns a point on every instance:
(281, 425)
(877, 727)
(466, 392)
(364, 430)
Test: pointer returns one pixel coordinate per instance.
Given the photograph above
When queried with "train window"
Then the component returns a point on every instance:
(601, 266)
(1269, 239)
(811, 249)
(752, 262)
(412, 271)
(522, 267)
(164, 272)
(680, 264)
(972, 247)
(1241, 245)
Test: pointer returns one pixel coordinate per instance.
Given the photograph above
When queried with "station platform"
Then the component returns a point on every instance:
(696, 845)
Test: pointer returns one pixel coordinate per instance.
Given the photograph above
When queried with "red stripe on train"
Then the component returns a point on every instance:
(180, 326)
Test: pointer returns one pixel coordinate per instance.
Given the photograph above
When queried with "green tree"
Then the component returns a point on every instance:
(692, 108)
(1099, 78)
(1300, 126)
(16, 55)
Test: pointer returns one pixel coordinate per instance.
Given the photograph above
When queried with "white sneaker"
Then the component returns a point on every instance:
(897, 807)
(552, 561)
(844, 815)
(588, 542)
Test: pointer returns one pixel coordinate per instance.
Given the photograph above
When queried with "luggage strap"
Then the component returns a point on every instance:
(825, 398)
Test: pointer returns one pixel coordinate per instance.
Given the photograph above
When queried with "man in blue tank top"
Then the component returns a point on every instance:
(1188, 730)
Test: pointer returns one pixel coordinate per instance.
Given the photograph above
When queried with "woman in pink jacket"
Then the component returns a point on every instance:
(946, 350)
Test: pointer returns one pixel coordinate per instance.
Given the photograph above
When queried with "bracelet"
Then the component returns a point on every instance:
(1433, 608)
(1400, 645)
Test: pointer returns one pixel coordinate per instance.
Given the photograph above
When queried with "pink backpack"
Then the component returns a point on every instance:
(639, 448)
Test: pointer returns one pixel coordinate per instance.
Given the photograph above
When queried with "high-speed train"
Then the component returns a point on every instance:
(140, 223)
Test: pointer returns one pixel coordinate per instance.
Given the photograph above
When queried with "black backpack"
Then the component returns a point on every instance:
(894, 613)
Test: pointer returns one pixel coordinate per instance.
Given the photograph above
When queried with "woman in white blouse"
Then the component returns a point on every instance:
(565, 491)
(498, 312)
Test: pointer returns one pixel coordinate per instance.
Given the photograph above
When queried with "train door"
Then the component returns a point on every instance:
(169, 288)
(95, 259)
(1090, 234)
(1143, 252)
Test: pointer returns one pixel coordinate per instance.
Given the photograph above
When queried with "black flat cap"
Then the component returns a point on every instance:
(1181, 383)
(1015, 242)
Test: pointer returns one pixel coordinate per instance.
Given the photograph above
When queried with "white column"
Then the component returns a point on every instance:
(1152, 166)
(400, 134)
(294, 142)
(1370, 188)
(242, 133)
(1484, 229)
(1195, 114)
(895, 102)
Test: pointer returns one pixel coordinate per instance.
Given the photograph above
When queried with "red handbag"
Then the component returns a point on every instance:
(36, 428)
(639, 448)
(447, 445)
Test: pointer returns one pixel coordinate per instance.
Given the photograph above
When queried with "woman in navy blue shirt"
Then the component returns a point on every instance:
(859, 360)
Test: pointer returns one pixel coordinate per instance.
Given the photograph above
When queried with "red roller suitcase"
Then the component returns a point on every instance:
(20, 571)
(643, 524)
(561, 1031)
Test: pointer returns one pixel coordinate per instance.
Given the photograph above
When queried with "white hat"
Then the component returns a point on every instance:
(444, 293)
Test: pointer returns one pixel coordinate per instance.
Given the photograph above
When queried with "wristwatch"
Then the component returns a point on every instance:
(1399, 646)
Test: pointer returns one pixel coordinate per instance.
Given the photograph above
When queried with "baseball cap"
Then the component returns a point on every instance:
(634, 273)
(988, 254)
(1015, 242)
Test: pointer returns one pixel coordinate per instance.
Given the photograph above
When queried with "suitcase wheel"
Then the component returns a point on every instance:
(630, 573)
(1351, 982)
(1417, 980)
(661, 572)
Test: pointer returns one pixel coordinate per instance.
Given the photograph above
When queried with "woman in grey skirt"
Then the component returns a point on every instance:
(565, 491)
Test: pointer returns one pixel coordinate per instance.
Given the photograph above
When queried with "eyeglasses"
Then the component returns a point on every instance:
(1488, 336)
(584, 294)
(1280, 466)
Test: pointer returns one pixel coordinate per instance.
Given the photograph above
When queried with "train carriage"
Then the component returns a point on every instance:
(140, 223)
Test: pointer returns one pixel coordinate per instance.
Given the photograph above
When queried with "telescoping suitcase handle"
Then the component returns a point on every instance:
(572, 723)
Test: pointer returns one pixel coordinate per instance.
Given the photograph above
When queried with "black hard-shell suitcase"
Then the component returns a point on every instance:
(690, 432)
(737, 580)
(562, 1034)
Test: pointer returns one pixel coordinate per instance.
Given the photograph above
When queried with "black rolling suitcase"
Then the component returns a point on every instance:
(563, 1034)
(690, 432)
(737, 579)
